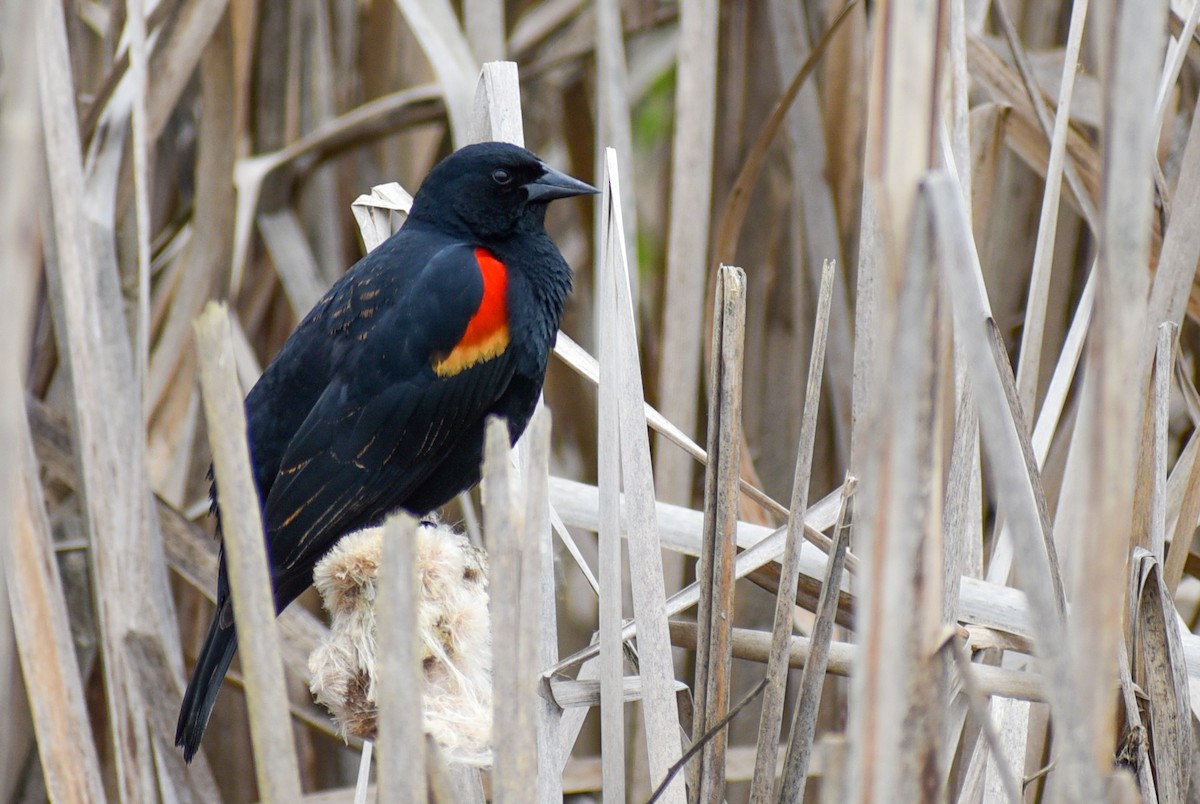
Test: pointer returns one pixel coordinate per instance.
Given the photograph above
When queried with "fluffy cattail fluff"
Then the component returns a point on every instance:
(455, 638)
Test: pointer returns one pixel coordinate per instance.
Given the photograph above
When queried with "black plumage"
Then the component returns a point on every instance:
(377, 402)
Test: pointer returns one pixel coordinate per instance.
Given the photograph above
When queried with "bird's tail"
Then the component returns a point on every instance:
(214, 661)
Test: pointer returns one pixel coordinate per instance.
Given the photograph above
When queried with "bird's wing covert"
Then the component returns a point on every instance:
(393, 410)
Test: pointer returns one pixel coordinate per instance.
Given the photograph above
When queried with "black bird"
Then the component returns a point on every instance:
(377, 401)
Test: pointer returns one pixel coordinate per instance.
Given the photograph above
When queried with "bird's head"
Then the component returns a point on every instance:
(491, 190)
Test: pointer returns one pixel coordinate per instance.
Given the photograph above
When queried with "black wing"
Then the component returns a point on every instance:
(386, 420)
(293, 383)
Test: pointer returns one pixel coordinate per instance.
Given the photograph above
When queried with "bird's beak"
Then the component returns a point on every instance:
(553, 184)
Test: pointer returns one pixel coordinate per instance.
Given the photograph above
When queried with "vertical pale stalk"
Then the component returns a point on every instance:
(1104, 447)
(246, 559)
(400, 678)
(896, 696)
(513, 740)
(129, 569)
(539, 634)
(866, 315)
(771, 718)
(894, 451)
(962, 524)
(955, 102)
(22, 165)
(1008, 451)
(497, 114)
(608, 471)
(715, 612)
(645, 552)
(812, 680)
(903, 100)
(136, 25)
(687, 240)
(1035, 309)
(899, 149)
(69, 763)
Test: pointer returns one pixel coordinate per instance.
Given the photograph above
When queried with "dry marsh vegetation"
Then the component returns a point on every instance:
(902, 509)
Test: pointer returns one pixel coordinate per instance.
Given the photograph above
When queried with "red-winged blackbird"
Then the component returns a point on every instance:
(377, 401)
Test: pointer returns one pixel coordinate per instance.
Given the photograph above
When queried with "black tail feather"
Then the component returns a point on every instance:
(201, 695)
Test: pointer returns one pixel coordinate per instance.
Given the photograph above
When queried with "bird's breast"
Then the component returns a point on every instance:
(487, 333)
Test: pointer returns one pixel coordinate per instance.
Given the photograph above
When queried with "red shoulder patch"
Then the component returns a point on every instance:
(486, 335)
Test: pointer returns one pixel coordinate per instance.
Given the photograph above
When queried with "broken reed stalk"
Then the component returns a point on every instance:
(514, 520)
(660, 715)
(1010, 457)
(611, 663)
(70, 763)
(401, 775)
(893, 717)
(897, 695)
(586, 366)
(715, 610)
(275, 763)
(771, 719)
(533, 504)
(808, 702)
(539, 631)
(498, 105)
(129, 571)
(1102, 470)
(32, 599)
(514, 766)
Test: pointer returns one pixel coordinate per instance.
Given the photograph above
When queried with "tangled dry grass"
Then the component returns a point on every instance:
(962, 349)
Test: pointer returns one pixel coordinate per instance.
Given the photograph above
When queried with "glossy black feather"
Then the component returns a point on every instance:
(351, 422)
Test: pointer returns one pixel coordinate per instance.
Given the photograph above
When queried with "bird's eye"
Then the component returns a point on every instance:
(501, 176)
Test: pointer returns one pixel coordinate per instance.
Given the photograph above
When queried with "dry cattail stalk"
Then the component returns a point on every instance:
(454, 630)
